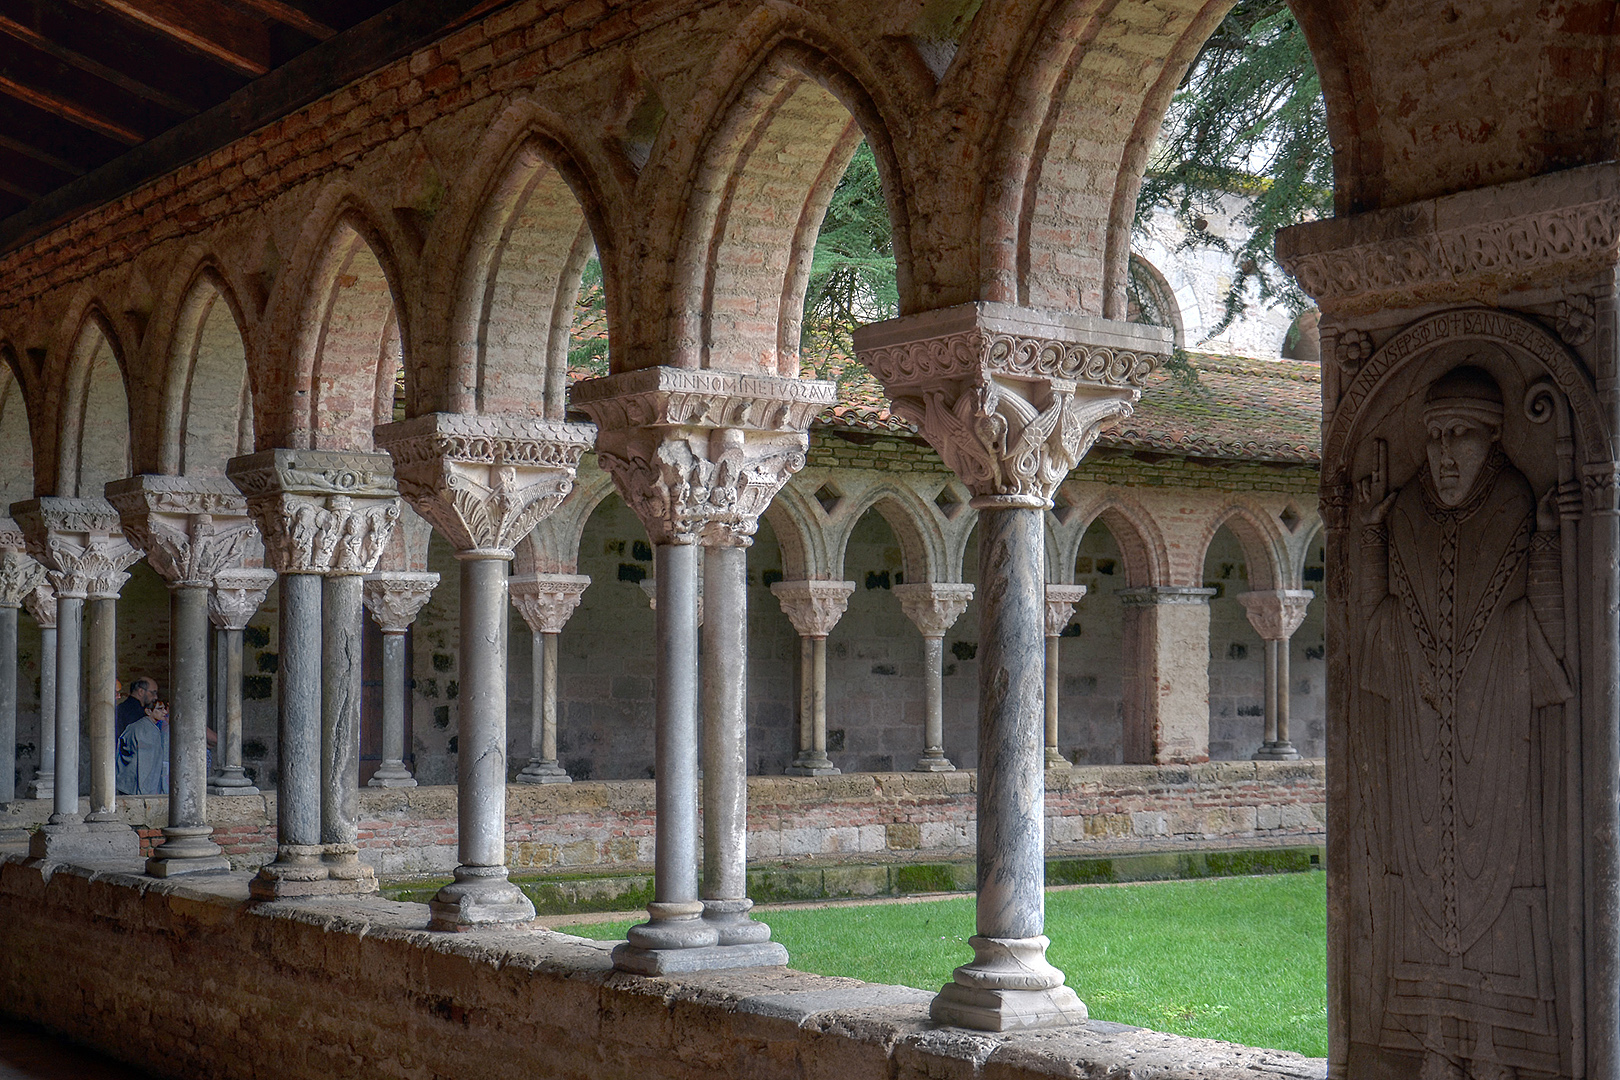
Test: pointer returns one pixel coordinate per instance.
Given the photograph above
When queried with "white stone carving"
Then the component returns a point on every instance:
(1576, 319)
(20, 574)
(547, 601)
(1276, 613)
(396, 597)
(190, 528)
(41, 604)
(484, 481)
(1060, 601)
(1010, 398)
(813, 607)
(80, 542)
(237, 595)
(933, 607)
(319, 511)
(1354, 348)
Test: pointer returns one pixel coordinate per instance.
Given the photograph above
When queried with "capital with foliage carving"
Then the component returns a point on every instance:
(20, 575)
(547, 601)
(1060, 601)
(484, 481)
(319, 511)
(80, 542)
(699, 455)
(1276, 613)
(1012, 398)
(190, 528)
(41, 604)
(396, 597)
(813, 607)
(237, 595)
(933, 607)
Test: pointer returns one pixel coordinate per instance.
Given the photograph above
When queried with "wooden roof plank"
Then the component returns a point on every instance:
(222, 33)
(288, 15)
(71, 111)
(28, 36)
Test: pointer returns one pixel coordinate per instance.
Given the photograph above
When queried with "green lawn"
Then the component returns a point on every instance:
(1243, 959)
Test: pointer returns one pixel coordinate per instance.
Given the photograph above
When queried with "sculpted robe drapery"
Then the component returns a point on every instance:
(143, 759)
(1461, 689)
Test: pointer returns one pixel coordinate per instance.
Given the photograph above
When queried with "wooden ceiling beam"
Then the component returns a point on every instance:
(288, 15)
(239, 41)
(44, 157)
(71, 111)
(32, 39)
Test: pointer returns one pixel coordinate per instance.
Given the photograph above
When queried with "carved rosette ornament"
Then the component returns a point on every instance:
(813, 607)
(484, 481)
(1011, 398)
(20, 575)
(237, 595)
(319, 511)
(80, 542)
(699, 455)
(933, 607)
(396, 597)
(1060, 601)
(1276, 613)
(547, 601)
(190, 528)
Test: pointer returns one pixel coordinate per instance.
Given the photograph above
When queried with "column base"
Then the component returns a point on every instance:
(69, 841)
(42, 787)
(342, 863)
(1055, 759)
(732, 923)
(298, 871)
(543, 772)
(933, 761)
(1008, 986)
(391, 774)
(480, 896)
(812, 763)
(1277, 751)
(231, 780)
(672, 926)
(639, 961)
(186, 849)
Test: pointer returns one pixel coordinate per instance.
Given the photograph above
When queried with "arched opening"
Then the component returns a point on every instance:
(357, 371)
(95, 446)
(210, 397)
(1150, 300)
(773, 662)
(1091, 717)
(874, 660)
(1303, 341)
(16, 442)
(1237, 657)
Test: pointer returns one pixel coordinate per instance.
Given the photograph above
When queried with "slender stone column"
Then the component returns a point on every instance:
(691, 481)
(484, 482)
(20, 575)
(342, 621)
(41, 605)
(1275, 614)
(1166, 699)
(318, 511)
(933, 607)
(1011, 398)
(814, 608)
(82, 545)
(1060, 601)
(546, 601)
(394, 598)
(235, 599)
(101, 693)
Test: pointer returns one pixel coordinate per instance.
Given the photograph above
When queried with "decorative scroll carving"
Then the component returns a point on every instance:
(484, 481)
(1060, 601)
(237, 595)
(80, 542)
(1276, 613)
(547, 601)
(396, 597)
(41, 604)
(1011, 400)
(933, 607)
(813, 607)
(191, 529)
(319, 511)
(20, 575)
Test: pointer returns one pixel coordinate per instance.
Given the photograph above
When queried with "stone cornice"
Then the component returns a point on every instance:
(396, 597)
(813, 607)
(1474, 245)
(679, 397)
(933, 607)
(190, 528)
(547, 601)
(319, 511)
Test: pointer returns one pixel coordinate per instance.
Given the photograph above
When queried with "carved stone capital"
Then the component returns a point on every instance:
(41, 604)
(484, 481)
(319, 511)
(11, 536)
(1276, 613)
(1549, 228)
(396, 597)
(813, 607)
(20, 575)
(699, 455)
(1012, 398)
(190, 528)
(236, 596)
(80, 542)
(933, 607)
(1060, 601)
(547, 601)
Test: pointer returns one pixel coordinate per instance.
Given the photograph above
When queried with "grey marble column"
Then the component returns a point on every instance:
(232, 603)
(394, 598)
(187, 846)
(41, 605)
(814, 608)
(297, 867)
(1275, 614)
(20, 575)
(546, 602)
(933, 607)
(342, 612)
(100, 698)
(69, 686)
(1060, 601)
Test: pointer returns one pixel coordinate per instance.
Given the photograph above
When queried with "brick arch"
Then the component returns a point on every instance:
(1141, 542)
(1090, 88)
(93, 446)
(17, 480)
(208, 398)
(922, 546)
(800, 534)
(1262, 546)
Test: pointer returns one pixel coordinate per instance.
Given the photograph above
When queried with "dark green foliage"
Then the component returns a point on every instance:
(588, 340)
(852, 271)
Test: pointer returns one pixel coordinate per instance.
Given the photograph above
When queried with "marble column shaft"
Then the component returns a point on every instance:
(232, 603)
(20, 575)
(100, 693)
(341, 675)
(186, 846)
(395, 598)
(546, 601)
(41, 605)
(1275, 614)
(69, 668)
(1060, 601)
(933, 607)
(814, 608)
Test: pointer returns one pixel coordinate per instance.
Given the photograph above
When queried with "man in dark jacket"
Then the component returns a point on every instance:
(142, 693)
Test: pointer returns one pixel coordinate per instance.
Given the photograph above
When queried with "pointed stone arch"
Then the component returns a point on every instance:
(208, 396)
(1141, 542)
(94, 442)
(17, 480)
(922, 546)
(1262, 545)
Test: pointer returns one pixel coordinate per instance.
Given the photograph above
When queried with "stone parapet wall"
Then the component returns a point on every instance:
(592, 827)
(188, 979)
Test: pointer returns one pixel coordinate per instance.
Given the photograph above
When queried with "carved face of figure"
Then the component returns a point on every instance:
(1459, 445)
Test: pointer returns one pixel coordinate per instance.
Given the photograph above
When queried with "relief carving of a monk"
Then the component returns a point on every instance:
(1461, 687)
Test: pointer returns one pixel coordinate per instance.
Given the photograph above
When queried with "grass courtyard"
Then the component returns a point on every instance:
(1243, 959)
